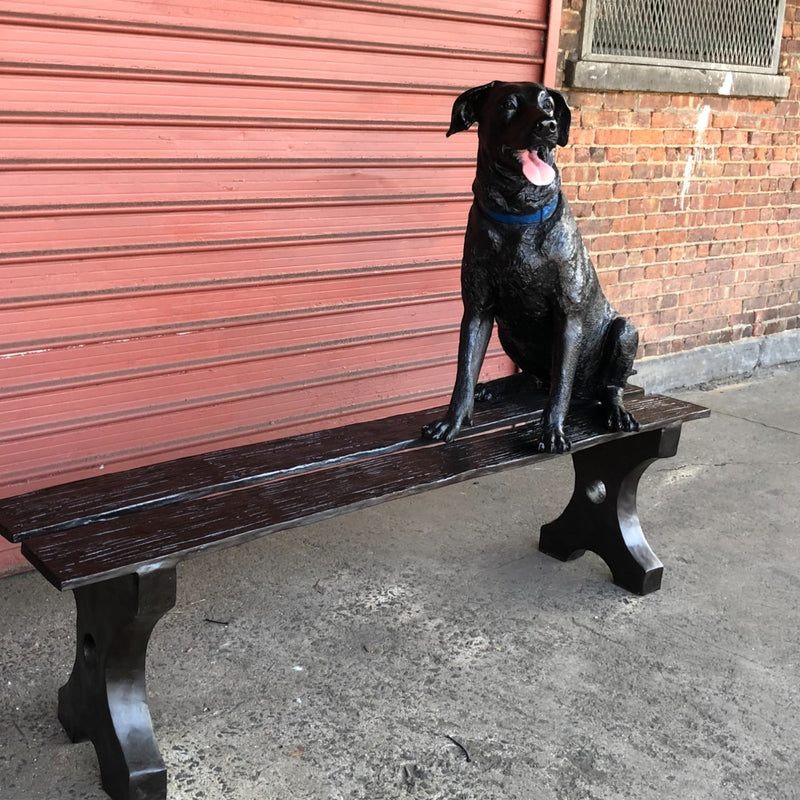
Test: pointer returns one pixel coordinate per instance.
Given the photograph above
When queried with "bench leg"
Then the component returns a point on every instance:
(601, 516)
(105, 700)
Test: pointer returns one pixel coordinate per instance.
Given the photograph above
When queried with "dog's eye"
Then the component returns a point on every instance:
(547, 104)
(509, 104)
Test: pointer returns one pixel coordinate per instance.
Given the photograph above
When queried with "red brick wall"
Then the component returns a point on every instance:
(689, 204)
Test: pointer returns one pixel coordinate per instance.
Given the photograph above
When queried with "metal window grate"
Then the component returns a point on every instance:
(742, 34)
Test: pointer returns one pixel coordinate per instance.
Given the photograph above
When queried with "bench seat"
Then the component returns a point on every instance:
(95, 529)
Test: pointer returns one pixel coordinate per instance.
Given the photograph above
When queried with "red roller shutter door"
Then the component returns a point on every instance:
(232, 220)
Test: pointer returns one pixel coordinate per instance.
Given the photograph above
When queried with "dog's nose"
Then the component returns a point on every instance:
(547, 126)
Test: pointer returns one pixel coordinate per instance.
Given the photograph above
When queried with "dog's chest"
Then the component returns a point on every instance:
(521, 278)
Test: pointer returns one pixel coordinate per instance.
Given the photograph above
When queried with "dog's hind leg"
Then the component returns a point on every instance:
(518, 385)
(622, 340)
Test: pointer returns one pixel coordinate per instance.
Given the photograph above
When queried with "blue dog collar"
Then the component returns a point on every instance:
(527, 219)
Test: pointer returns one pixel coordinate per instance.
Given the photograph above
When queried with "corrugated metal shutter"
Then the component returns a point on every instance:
(228, 220)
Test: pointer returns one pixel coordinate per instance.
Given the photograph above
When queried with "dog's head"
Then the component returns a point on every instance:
(519, 126)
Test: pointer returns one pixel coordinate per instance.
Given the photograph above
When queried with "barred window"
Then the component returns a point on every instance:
(735, 34)
(730, 39)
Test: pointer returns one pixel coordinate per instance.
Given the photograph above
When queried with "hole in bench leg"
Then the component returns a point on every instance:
(90, 651)
(105, 698)
(596, 492)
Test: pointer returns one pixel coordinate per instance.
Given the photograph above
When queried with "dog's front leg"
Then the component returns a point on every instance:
(476, 330)
(566, 351)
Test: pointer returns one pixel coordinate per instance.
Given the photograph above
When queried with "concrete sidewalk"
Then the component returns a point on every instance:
(425, 649)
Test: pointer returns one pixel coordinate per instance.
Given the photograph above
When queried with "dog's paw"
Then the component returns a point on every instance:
(441, 431)
(484, 394)
(621, 420)
(554, 440)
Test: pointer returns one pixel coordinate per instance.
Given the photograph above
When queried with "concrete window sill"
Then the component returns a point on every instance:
(616, 76)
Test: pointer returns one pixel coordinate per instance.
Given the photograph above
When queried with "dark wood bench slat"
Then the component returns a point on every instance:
(104, 496)
(107, 496)
(101, 550)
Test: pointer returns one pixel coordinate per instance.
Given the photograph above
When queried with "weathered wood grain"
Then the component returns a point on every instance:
(114, 494)
(285, 498)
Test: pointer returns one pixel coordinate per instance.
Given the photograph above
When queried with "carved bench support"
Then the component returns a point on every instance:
(105, 699)
(601, 516)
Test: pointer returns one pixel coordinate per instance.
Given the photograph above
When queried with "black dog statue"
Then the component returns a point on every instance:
(525, 266)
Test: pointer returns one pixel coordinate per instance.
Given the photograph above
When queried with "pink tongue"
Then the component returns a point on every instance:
(534, 169)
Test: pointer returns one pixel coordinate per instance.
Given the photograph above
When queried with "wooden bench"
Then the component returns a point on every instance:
(115, 539)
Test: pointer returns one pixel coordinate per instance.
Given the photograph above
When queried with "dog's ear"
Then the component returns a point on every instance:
(467, 108)
(562, 115)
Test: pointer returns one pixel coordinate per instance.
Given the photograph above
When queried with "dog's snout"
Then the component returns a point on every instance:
(547, 126)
